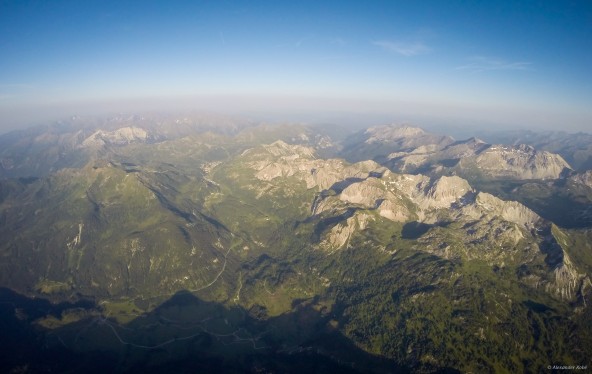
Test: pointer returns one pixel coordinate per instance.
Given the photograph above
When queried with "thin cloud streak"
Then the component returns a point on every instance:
(404, 49)
(481, 64)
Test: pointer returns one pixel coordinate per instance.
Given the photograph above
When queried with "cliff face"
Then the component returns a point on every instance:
(380, 141)
(520, 162)
(368, 185)
(358, 195)
(282, 160)
(488, 205)
(584, 179)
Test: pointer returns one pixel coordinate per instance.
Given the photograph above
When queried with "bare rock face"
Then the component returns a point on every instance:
(400, 197)
(430, 194)
(447, 190)
(488, 205)
(369, 186)
(122, 136)
(393, 211)
(405, 198)
(567, 281)
(364, 193)
(340, 234)
(474, 155)
(412, 149)
(467, 148)
(520, 162)
(386, 133)
(380, 141)
(584, 179)
(404, 138)
(493, 230)
(280, 159)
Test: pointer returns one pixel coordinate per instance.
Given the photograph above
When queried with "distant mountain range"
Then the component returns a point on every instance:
(574, 148)
(162, 244)
(409, 149)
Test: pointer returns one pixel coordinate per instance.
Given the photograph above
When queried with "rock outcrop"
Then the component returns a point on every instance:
(280, 159)
(380, 141)
(520, 162)
(474, 156)
(488, 205)
(584, 179)
(351, 197)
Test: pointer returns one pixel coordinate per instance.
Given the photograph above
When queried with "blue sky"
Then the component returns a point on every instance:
(481, 63)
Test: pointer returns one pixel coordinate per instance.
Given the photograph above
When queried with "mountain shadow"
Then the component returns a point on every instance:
(23, 345)
(413, 230)
(183, 334)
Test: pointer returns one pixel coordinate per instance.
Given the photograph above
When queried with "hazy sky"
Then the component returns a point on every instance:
(523, 63)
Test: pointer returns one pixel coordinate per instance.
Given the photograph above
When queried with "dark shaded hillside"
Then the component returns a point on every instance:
(182, 334)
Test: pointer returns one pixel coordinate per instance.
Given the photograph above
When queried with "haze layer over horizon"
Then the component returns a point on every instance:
(493, 64)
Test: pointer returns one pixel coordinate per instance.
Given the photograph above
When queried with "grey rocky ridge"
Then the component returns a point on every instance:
(410, 149)
(395, 249)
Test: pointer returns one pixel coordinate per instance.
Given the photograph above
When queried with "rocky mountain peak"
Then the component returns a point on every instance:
(280, 159)
(511, 211)
(392, 132)
(447, 190)
(377, 143)
(121, 136)
(475, 140)
(583, 178)
(280, 148)
(521, 162)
